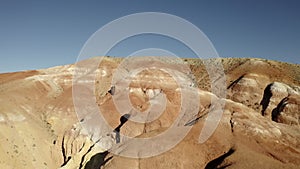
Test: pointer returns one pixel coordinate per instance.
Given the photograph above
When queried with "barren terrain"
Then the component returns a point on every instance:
(259, 128)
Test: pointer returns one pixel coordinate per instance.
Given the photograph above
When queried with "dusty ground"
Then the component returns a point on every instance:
(260, 126)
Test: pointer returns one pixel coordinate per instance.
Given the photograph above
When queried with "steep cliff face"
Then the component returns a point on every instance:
(259, 128)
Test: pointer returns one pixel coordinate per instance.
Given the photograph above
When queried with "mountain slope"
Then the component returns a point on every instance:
(259, 127)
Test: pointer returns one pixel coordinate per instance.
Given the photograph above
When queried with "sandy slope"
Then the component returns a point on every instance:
(259, 127)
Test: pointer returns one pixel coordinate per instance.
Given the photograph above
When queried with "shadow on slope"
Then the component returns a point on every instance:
(218, 161)
(97, 161)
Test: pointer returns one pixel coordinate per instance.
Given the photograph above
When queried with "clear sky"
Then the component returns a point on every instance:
(40, 34)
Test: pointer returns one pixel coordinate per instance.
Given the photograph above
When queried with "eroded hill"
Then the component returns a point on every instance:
(259, 128)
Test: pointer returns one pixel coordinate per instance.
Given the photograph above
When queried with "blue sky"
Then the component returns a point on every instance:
(40, 34)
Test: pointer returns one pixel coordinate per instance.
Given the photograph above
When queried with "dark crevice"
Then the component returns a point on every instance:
(98, 160)
(65, 162)
(202, 114)
(194, 121)
(235, 82)
(231, 125)
(63, 151)
(123, 120)
(89, 150)
(266, 99)
(112, 90)
(72, 146)
(225, 166)
(276, 112)
(276, 158)
(231, 121)
(82, 147)
(215, 164)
